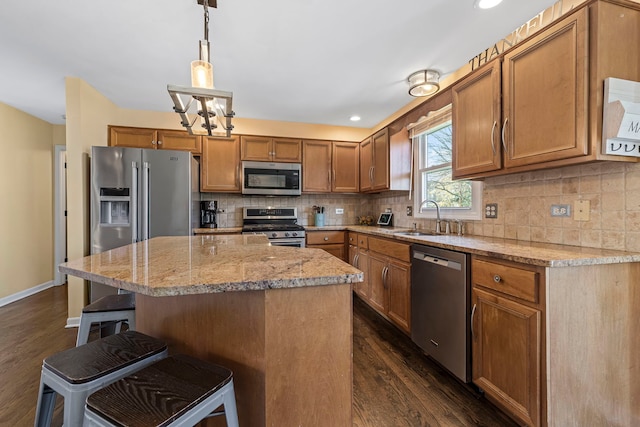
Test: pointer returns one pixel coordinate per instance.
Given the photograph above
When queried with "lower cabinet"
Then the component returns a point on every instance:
(388, 279)
(507, 336)
(330, 241)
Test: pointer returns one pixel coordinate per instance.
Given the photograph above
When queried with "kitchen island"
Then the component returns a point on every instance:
(279, 317)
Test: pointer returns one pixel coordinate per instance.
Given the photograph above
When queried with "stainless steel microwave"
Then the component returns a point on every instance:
(271, 179)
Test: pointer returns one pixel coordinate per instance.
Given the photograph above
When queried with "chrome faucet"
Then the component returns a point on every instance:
(438, 229)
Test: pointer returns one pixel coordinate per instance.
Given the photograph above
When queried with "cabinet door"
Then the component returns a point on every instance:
(506, 353)
(544, 92)
(256, 148)
(220, 165)
(286, 150)
(378, 294)
(179, 140)
(366, 165)
(345, 167)
(362, 264)
(380, 142)
(476, 123)
(132, 137)
(398, 280)
(316, 167)
(336, 250)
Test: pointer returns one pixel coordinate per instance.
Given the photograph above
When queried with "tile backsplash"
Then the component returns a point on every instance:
(524, 204)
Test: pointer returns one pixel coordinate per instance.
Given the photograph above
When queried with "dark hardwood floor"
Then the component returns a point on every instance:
(394, 383)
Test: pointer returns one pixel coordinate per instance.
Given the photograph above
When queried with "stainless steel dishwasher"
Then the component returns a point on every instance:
(440, 300)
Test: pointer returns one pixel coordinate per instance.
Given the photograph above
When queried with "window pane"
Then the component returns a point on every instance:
(437, 185)
(438, 147)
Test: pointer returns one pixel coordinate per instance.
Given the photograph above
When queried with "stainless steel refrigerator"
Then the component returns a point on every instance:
(137, 194)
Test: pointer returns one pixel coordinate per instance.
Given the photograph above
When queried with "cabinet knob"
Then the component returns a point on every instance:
(159, 142)
(326, 238)
(497, 278)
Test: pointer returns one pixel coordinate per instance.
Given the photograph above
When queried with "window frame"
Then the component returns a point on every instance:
(433, 122)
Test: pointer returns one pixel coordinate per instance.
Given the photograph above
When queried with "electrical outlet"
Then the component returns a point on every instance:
(339, 211)
(409, 210)
(561, 210)
(581, 210)
(491, 210)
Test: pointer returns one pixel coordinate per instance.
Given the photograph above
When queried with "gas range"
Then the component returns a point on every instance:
(278, 224)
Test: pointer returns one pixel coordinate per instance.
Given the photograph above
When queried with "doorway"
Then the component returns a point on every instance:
(60, 213)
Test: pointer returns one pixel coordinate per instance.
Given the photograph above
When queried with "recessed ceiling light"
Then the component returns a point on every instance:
(486, 4)
(354, 118)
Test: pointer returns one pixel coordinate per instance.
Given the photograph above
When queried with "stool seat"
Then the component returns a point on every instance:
(110, 308)
(77, 372)
(177, 390)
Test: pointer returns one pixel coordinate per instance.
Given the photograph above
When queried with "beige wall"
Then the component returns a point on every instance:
(88, 113)
(26, 207)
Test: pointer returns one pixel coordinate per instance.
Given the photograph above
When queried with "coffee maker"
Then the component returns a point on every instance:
(208, 212)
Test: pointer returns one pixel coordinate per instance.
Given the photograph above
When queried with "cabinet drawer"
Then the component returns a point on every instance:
(324, 237)
(352, 238)
(390, 248)
(517, 282)
(363, 241)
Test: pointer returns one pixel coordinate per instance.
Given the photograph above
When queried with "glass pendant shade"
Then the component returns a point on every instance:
(201, 74)
(424, 83)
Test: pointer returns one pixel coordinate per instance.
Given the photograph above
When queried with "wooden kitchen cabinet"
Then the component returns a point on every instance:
(476, 119)
(540, 104)
(331, 241)
(330, 167)
(268, 149)
(121, 136)
(389, 280)
(220, 165)
(316, 166)
(385, 161)
(359, 258)
(507, 324)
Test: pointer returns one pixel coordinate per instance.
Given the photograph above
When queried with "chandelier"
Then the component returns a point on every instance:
(202, 102)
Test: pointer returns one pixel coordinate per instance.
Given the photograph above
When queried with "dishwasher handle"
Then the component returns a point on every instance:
(437, 260)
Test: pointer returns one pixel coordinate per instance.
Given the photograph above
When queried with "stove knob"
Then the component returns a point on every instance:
(295, 234)
(286, 234)
(274, 235)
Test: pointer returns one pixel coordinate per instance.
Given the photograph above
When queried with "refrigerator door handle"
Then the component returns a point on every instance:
(134, 202)
(145, 201)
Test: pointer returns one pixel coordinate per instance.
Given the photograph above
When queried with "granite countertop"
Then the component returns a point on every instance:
(533, 253)
(217, 230)
(165, 266)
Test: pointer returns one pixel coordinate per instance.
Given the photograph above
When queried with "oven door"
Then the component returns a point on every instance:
(294, 243)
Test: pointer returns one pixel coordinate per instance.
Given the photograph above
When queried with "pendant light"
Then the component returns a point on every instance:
(211, 107)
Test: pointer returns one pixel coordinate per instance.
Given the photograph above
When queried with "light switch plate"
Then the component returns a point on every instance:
(581, 210)
(339, 211)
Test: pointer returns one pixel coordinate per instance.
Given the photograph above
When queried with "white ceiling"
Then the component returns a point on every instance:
(312, 61)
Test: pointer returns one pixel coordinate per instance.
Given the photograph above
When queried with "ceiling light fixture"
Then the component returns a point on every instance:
(354, 118)
(486, 4)
(424, 83)
(202, 100)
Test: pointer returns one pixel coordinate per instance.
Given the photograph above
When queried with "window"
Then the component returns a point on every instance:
(432, 147)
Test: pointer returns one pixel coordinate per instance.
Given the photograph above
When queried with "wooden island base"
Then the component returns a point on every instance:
(290, 349)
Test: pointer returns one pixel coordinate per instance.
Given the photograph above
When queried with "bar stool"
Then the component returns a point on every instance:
(175, 391)
(110, 308)
(77, 372)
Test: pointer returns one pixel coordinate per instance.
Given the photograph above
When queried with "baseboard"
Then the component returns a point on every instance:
(72, 322)
(26, 293)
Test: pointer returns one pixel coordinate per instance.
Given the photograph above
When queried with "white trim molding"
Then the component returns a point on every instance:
(72, 322)
(26, 293)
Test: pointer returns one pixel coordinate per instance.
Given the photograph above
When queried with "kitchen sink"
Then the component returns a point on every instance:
(414, 233)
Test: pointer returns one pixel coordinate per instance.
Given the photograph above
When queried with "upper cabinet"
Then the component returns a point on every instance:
(220, 165)
(267, 149)
(385, 161)
(121, 136)
(540, 104)
(329, 167)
